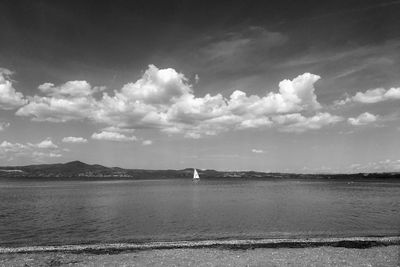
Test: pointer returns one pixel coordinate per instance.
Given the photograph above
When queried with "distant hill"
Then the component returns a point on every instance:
(81, 170)
(76, 169)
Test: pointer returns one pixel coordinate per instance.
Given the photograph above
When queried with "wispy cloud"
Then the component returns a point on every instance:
(4, 125)
(234, 49)
(147, 142)
(366, 53)
(385, 165)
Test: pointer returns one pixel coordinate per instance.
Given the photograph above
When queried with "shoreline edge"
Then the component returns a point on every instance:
(345, 242)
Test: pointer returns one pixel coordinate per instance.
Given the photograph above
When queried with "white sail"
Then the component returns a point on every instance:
(195, 174)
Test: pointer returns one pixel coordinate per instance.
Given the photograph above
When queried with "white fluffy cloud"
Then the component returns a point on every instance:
(71, 88)
(257, 151)
(37, 151)
(373, 96)
(298, 123)
(74, 140)
(6, 146)
(9, 97)
(362, 119)
(294, 95)
(157, 86)
(392, 93)
(370, 96)
(113, 136)
(47, 143)
(62, 103)
(118, 130)
(163, 99)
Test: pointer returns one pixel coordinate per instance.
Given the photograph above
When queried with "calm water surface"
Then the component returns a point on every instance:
(72, 212)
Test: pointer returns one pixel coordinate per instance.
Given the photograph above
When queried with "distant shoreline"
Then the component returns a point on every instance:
(81, 170)
(344, 242)
(300, 178)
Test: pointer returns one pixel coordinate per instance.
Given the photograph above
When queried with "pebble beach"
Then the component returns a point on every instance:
(318, 256)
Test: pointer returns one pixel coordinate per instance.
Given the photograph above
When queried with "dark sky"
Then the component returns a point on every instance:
(125, 35)
(219, 47)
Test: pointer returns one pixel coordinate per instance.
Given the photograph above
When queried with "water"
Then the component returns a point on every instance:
(74, 212)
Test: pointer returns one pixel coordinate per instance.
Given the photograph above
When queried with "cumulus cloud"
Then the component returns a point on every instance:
(257, 151)
(362, 119)
(74, 140)
(163, 99)
(118, 130)
(298, 123)
(255, 123)
(70, 101)
(35, 151)
(372, 96)
(294, 95)
(12, 147)
(9, 97)
(70, 89)
(147, 142)
(113, 136)
(157, 86)
(47, 143)
(4, 125)
(392, 93)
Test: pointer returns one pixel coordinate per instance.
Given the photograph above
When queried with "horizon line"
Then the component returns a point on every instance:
(201, 169)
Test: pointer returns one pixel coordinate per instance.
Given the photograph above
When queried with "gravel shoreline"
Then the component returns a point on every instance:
(346, 242)
(314, 256)
(350, 251)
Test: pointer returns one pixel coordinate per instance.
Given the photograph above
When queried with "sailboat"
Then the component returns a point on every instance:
(196, 176)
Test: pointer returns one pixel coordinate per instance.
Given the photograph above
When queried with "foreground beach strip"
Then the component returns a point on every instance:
(315, 256)
(349, 242)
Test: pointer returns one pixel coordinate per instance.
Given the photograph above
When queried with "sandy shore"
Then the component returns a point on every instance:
(319, 256)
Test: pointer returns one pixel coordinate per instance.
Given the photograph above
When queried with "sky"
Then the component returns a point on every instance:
(275, 86)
